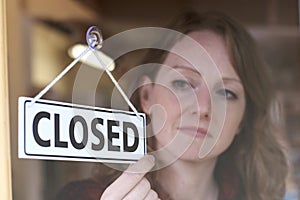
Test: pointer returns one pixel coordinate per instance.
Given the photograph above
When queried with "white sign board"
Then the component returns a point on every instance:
(61, 131)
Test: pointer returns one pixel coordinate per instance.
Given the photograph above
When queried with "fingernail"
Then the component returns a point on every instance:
(151, 158)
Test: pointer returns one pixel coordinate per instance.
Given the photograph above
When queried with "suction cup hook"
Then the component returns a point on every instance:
(94, 38)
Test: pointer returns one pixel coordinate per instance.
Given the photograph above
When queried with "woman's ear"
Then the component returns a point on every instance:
(146, 94)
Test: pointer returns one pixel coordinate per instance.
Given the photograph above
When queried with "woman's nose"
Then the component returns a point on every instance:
(203, 105)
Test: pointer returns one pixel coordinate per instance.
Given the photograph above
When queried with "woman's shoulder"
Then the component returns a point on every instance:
(87, 189)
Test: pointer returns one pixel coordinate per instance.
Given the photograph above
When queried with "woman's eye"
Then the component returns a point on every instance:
(227, 93)
(181, 84)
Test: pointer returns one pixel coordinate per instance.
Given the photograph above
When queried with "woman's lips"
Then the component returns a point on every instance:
(194, 132)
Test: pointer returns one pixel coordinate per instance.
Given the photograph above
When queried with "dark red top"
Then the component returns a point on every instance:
(92, 190)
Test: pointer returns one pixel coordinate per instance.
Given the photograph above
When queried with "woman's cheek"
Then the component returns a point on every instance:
(229, 130)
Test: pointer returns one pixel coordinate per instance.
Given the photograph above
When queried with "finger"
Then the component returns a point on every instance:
(143, 166)
(129, 178)
(140, 191)
(152, 195)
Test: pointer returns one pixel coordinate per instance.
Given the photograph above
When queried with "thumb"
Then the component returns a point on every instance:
(143, 166)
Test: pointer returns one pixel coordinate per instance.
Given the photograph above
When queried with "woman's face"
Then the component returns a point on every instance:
(186, 100)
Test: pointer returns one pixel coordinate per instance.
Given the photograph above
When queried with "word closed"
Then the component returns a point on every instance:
(62, 131)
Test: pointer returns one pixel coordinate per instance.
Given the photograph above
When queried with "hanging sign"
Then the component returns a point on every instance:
(62, 131)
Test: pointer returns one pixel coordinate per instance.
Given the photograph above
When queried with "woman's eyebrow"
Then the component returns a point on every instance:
(196, 71)
(232, 79)
(186, 68)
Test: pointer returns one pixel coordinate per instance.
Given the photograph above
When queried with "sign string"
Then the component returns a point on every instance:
(59, 76)
(117, 85)
(94, 40)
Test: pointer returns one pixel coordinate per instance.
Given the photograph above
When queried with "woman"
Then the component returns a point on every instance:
(243, 158)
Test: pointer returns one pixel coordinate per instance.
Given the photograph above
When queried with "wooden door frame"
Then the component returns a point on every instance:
(5, 157)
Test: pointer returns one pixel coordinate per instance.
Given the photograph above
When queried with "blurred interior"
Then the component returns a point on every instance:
(40, 32)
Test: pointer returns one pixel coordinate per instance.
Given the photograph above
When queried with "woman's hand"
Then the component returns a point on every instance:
(132, 185)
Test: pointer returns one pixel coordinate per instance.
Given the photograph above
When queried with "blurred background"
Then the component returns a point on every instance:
(40, 32)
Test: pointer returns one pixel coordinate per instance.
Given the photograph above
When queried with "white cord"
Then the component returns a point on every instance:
(59, 76)
(116, 84)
